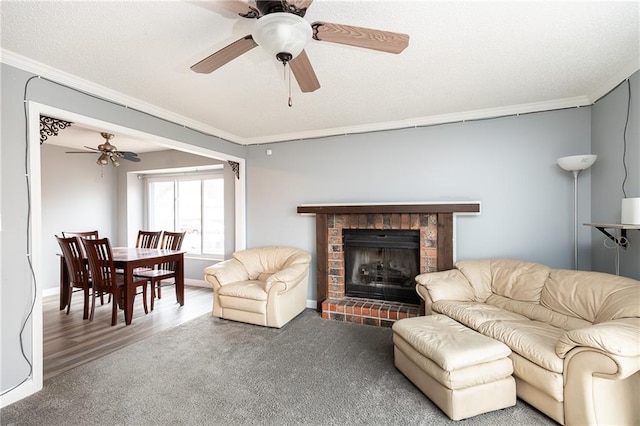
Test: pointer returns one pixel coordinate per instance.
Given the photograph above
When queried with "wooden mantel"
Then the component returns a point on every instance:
(455, 207)
(443, 210)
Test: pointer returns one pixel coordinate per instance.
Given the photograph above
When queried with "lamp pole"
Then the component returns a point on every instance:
(575, 219)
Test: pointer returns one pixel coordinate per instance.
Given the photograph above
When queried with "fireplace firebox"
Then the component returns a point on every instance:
(382, 264)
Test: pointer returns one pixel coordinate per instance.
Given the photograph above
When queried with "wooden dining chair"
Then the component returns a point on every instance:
(104, 276)
(91, 235)
(74, 259)
(163, 271)
(148, 239)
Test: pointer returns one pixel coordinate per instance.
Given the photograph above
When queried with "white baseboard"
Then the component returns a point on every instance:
(50, 291)
(196, 283)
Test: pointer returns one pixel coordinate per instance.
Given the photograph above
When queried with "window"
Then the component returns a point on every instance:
(193, 203)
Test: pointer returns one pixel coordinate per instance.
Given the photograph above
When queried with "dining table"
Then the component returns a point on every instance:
(128, 259)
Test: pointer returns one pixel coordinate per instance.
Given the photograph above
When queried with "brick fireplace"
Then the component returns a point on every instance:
(434, 223)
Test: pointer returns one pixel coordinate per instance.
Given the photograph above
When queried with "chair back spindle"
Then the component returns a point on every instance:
(171, 241)
(148, 239)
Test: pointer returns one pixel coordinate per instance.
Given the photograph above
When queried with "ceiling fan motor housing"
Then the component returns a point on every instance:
(271, 6)
(282, 33)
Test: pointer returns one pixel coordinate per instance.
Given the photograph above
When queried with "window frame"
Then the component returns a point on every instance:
(198, 175)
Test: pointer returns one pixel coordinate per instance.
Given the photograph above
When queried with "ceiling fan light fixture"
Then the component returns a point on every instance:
(282, 33)
(114, 161)
(102, 160)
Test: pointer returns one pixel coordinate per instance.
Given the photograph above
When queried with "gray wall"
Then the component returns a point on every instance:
(16, 290)
(509, 164)
(609, 115)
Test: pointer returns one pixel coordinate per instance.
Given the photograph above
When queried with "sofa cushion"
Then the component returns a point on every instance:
(538, 312)
(474, 314)
(533, 340)
(517, 279)
(582, 294)
(447, 285)
(478, 273)
(253, 290)
(623, 302)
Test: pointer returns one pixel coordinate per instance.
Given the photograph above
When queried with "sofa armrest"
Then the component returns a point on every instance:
(228, 271)
(290, 277)
(599, 388)
(445, 285)
(618, 337)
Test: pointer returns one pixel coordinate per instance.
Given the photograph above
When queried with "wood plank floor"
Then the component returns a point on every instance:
(70, 341)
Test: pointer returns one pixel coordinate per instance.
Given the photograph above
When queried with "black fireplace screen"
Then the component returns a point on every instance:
(382, 264)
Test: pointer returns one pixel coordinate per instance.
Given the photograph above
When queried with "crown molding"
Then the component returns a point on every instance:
(10, 58)
(481, 114)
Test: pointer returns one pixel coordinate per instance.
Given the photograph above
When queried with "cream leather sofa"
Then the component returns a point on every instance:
(264, 286)
(574, 335)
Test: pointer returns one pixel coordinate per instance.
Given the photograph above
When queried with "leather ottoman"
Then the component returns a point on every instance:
(461, 371)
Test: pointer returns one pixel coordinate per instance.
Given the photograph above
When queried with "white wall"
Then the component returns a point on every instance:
(508, 164)
(609, 117)
(75, 197)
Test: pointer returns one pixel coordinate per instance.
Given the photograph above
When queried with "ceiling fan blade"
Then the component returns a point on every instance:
(131, 156)
(79, 152)
(240, 7)
(303, 71)
(92, 149)
(385, 41)
(299, 7)
(224, 55)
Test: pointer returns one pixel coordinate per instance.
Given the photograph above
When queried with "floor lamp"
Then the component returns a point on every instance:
(576, 164)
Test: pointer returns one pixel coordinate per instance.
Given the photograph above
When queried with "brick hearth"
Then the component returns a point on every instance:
(435, 225)
(368, 311)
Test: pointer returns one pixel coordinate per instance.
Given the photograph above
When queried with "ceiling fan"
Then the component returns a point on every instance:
(108, 152)
(282, 31)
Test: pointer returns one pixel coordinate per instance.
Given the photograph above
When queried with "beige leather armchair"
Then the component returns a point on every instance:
(264, 285)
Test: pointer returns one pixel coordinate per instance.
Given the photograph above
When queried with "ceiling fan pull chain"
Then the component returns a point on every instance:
(290, 102)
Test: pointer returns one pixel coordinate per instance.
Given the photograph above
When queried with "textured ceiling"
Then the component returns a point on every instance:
(465, 60)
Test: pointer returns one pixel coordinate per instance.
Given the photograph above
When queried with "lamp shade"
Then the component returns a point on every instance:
(282, 32)
(574, 163)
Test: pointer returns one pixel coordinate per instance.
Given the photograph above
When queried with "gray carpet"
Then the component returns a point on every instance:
(216, 372)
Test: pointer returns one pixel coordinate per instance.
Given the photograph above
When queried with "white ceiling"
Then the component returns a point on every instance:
(465, 60)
